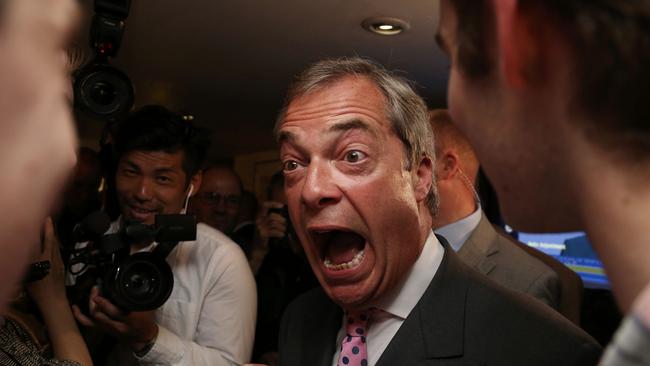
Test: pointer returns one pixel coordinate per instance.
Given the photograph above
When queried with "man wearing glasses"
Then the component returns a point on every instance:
(217, 201)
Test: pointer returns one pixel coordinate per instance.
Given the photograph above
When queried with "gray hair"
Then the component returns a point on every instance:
(405, 109)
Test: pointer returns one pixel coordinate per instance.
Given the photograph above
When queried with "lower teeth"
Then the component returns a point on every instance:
(351, 264)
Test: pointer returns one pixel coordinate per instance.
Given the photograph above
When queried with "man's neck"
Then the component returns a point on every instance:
(614, 203)
(459, 206)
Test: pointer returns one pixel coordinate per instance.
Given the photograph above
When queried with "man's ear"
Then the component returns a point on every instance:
(424, 178)
(522, 43)
(447, 165)
(196, 182)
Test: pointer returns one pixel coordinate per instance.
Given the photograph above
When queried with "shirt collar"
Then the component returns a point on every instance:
(457, 232)
(401, 300)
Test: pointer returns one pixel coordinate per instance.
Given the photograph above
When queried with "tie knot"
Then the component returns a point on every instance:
(357, 322)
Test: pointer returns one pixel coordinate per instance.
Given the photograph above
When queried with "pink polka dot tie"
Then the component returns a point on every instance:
(353, 347)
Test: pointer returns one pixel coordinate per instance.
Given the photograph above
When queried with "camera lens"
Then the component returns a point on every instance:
(103, 93)
(139, 285)
(141, 282)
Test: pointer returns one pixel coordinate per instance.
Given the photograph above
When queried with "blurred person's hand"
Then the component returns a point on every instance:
(37, 138)
(49, 295)
(50, 288)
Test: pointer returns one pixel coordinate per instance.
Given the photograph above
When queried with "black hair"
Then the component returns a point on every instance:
(155, 128)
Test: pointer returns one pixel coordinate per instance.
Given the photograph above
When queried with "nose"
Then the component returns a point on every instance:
(144, 190)
(320, 189)
(220, 207)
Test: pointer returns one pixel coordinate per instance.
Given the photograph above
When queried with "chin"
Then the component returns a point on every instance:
(348, 297)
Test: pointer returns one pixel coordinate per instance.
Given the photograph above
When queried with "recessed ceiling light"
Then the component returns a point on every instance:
(385, 26)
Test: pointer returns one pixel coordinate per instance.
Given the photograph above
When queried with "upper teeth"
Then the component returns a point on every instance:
(347, 265)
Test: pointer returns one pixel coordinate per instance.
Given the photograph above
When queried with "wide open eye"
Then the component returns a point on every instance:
(354, 156)
(290, 165)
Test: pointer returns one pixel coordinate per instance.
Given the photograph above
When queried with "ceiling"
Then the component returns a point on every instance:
(229, 62)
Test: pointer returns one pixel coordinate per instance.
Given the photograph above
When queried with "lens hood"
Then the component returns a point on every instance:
(140, 282)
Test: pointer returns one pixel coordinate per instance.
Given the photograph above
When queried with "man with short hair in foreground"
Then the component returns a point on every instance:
(553, 95)
(357, 154)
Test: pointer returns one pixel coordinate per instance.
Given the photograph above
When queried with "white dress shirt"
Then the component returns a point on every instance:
(209, 319)
(457, 232)
(396, 305)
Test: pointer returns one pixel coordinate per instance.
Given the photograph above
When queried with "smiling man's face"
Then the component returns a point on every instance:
(149, 183)
(352, 200)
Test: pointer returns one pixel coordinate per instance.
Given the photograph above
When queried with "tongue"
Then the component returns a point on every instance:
(343, 246)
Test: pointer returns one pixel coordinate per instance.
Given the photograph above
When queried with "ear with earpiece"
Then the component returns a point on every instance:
(190, 191)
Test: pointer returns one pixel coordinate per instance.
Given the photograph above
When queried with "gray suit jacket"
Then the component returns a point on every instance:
(508, 265)
(462, 319)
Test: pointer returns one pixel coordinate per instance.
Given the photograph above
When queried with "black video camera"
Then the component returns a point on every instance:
(101, 90)
(134, 282)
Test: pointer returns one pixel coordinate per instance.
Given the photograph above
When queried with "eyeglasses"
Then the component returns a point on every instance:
(216, 198)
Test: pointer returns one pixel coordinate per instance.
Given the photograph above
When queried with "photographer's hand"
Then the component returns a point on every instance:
(50, 289)
(136, 328)
(268, 225)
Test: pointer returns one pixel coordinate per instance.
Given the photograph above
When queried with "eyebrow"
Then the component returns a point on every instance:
(157, 171)
(284, 136)
(353, 124)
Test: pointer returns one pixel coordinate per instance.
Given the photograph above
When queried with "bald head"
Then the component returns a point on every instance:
(218, 200)
(449, 138)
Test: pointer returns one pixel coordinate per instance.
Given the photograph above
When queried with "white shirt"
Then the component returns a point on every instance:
(398, 304)
(457, 232)
(209, 319)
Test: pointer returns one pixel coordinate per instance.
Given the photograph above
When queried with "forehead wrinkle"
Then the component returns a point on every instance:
(318, 109)
(351, 124)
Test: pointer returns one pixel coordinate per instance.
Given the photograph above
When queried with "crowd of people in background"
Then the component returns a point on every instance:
(371, 246)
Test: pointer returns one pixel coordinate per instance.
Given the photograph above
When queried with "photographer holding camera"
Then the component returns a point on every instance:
(209, 318)
(283, 271)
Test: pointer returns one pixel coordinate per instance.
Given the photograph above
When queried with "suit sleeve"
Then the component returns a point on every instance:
(226, 324)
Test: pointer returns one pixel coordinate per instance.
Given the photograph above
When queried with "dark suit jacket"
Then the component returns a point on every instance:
(462, 319)
(499, 259)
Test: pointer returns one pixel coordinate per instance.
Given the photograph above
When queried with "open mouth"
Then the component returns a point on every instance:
(340, 249)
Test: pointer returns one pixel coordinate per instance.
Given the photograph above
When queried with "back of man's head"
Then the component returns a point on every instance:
(609, 43)
(448, 137)
(456, 170)
(155, 128)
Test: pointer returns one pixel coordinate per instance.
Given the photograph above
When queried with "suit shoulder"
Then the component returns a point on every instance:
(526, 264)
(519, 317)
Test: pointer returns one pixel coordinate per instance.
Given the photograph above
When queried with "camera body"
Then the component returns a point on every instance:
(134, 282)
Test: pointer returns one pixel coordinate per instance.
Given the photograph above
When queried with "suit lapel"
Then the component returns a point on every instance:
(480, 245)
(435, 327)
(320, 330)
